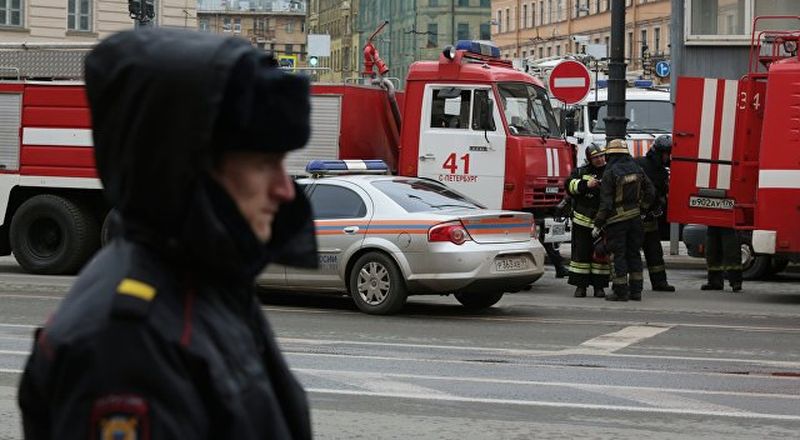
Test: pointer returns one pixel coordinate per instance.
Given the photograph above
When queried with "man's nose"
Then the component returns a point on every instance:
(283, 188)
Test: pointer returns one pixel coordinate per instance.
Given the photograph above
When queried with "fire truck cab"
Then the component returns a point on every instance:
(736, 148)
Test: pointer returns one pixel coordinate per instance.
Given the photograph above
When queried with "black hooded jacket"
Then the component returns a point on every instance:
(161, 335)
(624, 190)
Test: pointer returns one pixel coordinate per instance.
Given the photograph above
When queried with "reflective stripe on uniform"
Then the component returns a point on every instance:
(655, 269)
(582, 220)
(573, 186)
(577, 267)
(635, 276)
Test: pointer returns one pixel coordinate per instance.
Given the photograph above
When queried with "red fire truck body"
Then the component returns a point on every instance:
(736, 152)
(54, 213)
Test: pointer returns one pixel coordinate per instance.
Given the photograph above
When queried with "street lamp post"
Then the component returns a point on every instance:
(616, 121)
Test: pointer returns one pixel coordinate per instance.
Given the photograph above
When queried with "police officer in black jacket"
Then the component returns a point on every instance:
(623, 191)
(655, 165)
(161, 336)
(583, 186)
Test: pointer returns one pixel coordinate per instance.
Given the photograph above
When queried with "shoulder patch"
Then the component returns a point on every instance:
(120, 417)
(133, 298)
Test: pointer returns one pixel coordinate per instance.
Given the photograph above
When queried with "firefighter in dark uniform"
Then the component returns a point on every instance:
(161, 335)
(723, 257)
(583, 186)
(623, 191)
(655, 165)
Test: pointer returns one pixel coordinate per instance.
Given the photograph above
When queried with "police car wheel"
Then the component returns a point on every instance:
(479, 301)
(53, 235)
(377, 285)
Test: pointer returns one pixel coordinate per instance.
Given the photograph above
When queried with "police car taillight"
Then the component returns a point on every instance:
(454, 232)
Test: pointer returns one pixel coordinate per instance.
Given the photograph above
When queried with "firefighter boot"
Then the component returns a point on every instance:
(599, 292)
(662, 286)
(715, 281)
(619, 292)
(580, 292)
(636, 290)
(735, 278)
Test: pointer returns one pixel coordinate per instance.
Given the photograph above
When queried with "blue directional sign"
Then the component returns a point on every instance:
(662, 69)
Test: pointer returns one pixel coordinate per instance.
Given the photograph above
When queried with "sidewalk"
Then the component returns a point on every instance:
(680, 261)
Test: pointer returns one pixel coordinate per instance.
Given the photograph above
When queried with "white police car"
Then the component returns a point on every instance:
(382, 238)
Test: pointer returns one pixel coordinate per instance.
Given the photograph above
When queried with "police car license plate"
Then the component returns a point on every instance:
(510, 264)
(551, 190)
(710, 203)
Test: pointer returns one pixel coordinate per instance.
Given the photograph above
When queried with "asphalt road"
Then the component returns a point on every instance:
(540, 364)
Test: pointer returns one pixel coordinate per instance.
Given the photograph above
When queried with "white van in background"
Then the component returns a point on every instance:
(649, 113)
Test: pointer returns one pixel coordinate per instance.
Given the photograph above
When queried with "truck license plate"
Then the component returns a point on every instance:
(710, 203)
(510, 264)
(557, 229)
(551, 190)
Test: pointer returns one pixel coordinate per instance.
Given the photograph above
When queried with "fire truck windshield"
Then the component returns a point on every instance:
(527, 110)
(643, 116)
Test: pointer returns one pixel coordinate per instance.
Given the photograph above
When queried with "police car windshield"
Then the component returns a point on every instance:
(528, 110)
(643, 116)
(416, 195)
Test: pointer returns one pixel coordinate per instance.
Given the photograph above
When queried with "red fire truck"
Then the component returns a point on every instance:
(736, 153)
(469, 120)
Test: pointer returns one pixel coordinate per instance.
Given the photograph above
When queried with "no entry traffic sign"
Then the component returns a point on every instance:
(569, 82)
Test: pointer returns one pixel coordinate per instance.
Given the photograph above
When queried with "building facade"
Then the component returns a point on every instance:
(339, 19)
(420, 29)
(711, 38)
(537, 29)
(279, 27)
(81, 21)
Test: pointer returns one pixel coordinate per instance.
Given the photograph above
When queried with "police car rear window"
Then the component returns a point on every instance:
(329, 202)
(416, 195)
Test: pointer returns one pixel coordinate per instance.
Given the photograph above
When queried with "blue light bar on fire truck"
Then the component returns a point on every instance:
(479, 47)
(332, 167)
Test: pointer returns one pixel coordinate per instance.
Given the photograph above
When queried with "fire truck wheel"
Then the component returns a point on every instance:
(53, 235)
(754, 266)
(778, 265)
(478, 302)
(377, 285)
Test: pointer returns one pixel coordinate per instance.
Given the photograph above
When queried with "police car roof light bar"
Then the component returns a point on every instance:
(479, 47)
(332, 167)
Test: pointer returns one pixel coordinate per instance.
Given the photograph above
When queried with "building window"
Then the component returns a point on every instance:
(597, 6)
(549, 51)
(486, 3)
(463, 3)
(508, 20)
(524, 16)
(657, 39)
(433, 3)
(289, 26)
(227, 26)
(714, 22)
(79, 14)
(558, 50)
(433, 35)
(463, 31)
(11, 12)
(486, 31)
(644, 40)
(289, 49)
(204, 24)
(499, 21)
(630, 45)
(541, 52)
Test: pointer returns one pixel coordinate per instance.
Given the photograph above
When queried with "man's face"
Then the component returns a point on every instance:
(258, 183)
(599, 161)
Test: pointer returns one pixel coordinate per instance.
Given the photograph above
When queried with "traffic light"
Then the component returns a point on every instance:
(149, 9)
(134, 8)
